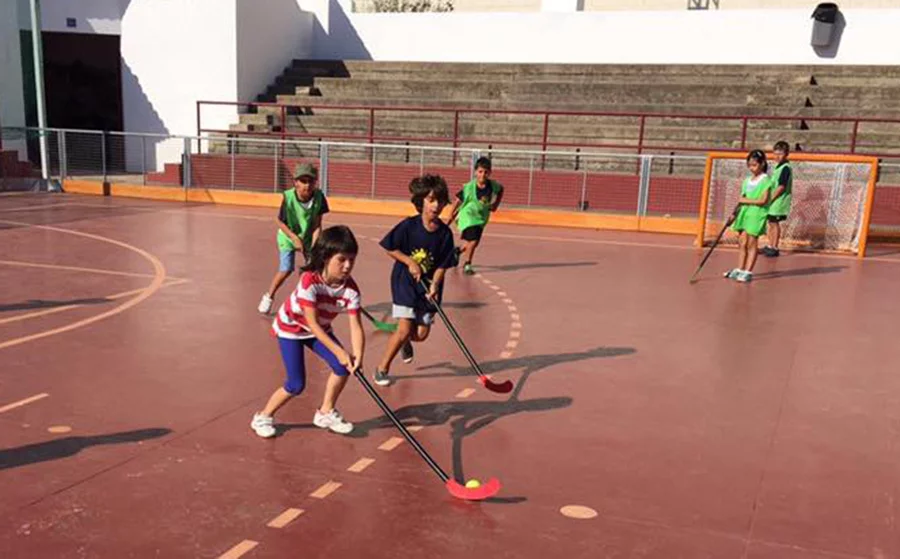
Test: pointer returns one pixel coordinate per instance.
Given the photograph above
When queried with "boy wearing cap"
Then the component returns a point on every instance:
(299, 224)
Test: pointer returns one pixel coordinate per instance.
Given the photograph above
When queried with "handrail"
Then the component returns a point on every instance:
(545, 119)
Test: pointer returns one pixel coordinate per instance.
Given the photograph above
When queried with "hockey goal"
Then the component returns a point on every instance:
(832, 200)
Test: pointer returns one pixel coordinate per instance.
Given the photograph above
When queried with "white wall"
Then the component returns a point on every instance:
(173, 54)
(270, 34)
(12, 96)
(707, 37)
(91, 16)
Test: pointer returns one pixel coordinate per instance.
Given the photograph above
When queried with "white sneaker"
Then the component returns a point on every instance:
(265, 304)
(333, 421)
(263, 425)
(381, 378)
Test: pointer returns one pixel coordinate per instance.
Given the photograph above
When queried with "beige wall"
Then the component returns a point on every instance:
(496, 5)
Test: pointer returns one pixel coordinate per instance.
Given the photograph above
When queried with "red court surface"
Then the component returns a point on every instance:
(712, 420)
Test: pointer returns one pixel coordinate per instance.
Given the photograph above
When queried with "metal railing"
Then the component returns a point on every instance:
(624, 184)
(854, 133)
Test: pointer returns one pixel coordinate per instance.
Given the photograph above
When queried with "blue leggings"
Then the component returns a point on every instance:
(292, 355)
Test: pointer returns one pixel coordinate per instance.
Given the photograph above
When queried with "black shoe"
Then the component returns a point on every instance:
(406, 352)
(768, 251)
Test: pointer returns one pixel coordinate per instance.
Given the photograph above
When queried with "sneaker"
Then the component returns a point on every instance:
(265, 304)
(406, 352)
(263, 425)
(468, 270)
(744, 277)
(381, 378)
(332, 420)
(731, 274)
(768, 251)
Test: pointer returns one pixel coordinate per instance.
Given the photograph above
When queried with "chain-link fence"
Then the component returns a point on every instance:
(618, 183)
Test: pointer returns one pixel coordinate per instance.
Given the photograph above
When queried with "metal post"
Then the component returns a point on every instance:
(186, 169)
(231, 150)
(144, 160)
(103, 153)
(644, 185)
(275, 187)
(36, 44)
(583, 204)
(421, 161)
(853, 137)
(63, 169)
(373, 171)
(530, 177)
(323, 167)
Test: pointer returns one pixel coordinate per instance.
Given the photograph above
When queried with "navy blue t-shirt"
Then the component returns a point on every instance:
(430, 249)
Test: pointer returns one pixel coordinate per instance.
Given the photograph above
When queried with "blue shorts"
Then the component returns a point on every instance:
(295, 366)
(286, 260)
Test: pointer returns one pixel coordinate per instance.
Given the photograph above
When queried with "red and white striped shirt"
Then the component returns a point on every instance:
(312, 291)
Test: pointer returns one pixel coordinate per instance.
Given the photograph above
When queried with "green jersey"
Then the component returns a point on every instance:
(300, 217)
(752, 219)
(475, 209)
(783, 174)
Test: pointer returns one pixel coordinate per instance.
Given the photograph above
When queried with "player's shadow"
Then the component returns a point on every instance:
(70, 446)
(528, 363)
(535, 265)
(45, 304)
(798, 272)
(466, 418)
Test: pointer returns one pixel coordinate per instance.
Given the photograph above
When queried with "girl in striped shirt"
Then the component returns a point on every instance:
(304, 321)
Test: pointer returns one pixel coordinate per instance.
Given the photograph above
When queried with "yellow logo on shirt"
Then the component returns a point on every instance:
(421, 257)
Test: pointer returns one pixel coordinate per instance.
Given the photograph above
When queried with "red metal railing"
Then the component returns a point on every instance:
(455, 140)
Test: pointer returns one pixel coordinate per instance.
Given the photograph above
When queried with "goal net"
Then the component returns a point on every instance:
(832, 200)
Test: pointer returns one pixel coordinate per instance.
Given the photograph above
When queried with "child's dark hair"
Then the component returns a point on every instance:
(334, 240)
(781, 145)
(419, 188)
(484, 163)
(759, 156)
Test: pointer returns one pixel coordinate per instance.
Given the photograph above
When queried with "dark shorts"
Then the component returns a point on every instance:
(777, 218)
(472, 233)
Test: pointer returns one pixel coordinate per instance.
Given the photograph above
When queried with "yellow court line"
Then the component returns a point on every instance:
(285, 518)
(391, 443)
(158, 279)
(54, 310)
(239, 550)
(325, 490)
(76, 269)
(465, 393)
(23, 402)
(360, 465)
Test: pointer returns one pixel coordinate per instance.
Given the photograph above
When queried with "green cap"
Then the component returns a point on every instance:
(305, 170)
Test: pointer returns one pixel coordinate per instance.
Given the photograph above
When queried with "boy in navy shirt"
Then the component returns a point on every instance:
(422, 246)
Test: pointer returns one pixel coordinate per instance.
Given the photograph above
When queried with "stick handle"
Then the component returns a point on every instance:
(406, 434)
(716, 242)
(456, 336)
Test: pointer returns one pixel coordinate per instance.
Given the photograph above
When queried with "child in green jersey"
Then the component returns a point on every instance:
(780, 208)
(473, 206)
(299, 223)
(751, 214)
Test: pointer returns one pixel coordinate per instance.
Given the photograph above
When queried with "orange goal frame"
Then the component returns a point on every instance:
(813, 157)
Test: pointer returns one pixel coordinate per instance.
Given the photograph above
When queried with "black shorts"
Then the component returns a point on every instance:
(777, 218)
(472, 233)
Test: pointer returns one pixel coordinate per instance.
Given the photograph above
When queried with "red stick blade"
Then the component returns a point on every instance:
(501, 387)
(485, 491)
